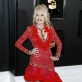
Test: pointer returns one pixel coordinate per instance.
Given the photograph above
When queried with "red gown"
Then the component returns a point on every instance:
(41, 67)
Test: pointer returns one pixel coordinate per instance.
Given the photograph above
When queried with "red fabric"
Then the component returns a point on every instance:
(41, 44)
(34, 73)
(41, 67)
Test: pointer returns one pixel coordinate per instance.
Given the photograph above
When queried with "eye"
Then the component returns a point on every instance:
(36, 14)
(42, 14)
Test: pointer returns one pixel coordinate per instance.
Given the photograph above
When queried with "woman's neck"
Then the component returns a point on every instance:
(40, 26)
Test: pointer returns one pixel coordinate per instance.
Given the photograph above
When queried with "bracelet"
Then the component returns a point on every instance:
(27, 51)
(58, 55)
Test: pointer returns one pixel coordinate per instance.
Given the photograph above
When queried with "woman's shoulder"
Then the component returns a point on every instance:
(52, 27)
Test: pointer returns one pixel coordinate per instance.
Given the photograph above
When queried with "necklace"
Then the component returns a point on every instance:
(42, 34)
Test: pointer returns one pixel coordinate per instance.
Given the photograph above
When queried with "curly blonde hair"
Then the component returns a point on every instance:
(42, 7)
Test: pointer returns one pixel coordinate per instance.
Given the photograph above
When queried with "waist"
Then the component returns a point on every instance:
(42, 48)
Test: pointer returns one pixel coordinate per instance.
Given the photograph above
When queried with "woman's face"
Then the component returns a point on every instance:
(39, 17)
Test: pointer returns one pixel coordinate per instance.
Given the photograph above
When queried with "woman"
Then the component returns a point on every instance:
(41, 34)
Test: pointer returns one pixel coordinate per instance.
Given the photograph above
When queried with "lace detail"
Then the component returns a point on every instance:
(43, 58)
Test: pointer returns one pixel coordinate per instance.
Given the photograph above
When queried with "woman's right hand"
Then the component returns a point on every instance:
(34, 51)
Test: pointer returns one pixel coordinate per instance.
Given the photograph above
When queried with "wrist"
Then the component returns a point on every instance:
(27, 51)
(58, 55)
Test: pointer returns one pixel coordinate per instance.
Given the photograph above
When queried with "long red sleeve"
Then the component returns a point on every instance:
(57, 41)
(21, 40)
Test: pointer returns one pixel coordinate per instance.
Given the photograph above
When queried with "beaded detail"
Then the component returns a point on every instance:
(42, 34)
(50, 69)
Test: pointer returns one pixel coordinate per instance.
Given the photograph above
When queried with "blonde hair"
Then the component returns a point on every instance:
(43, 8)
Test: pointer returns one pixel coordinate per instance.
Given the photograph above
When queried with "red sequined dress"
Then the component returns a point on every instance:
(41, 67)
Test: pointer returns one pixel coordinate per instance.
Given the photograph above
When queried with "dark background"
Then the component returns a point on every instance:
(16, 15)
(54, 13)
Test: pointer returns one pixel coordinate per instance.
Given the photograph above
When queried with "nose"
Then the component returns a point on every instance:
(39, 16)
